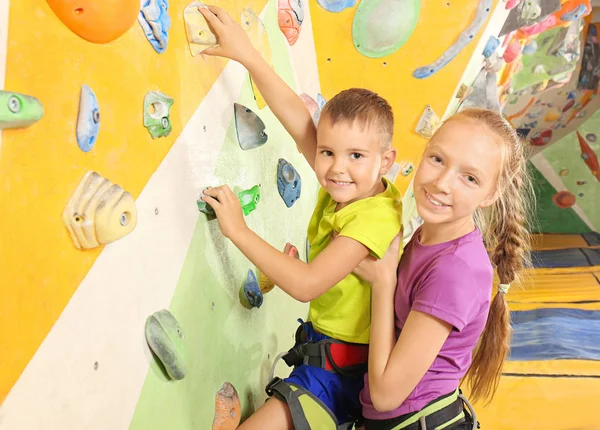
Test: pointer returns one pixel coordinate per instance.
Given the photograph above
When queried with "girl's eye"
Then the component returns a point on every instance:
(355, 155)
(436, 159)
(472, 179)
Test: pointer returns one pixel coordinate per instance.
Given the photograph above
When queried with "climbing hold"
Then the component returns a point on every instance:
(571, 95)
(99, 212)
(511, 4)
(156, 22)
(530, 48)
(531, 10)
(491, 46)
(205, 207)
(19, 110)
(251, 295)
(228, 409)
(336, 5)
(199, 34)
(591, 137)
(541, 139)
(428, 123)
(463, 91)
(534, 114)
(289, 183)
(589, 156)
(259, 38)
(249, 199)
(574, 14)
(250, 128)
(581, 114)
(564, 172)
(539, 69)
(483, 10)
(312, 106)
(512, 52)
(406, 168)
(94, 21)
(523, 132)
(290, 15)
(321, 101)
(157, 107)
(539, 27)
(165, 338)
(381, 27)
(568, 106)
(581, 183)
(564, 199)
(484, 92)
(88, 119)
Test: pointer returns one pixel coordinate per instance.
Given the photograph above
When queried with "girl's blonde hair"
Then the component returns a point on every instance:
(504, 229)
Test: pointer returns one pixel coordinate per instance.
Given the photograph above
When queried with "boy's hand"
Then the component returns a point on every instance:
(233, 40)
(228, 209)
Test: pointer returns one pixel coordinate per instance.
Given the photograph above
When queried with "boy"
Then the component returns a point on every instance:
(357, 214)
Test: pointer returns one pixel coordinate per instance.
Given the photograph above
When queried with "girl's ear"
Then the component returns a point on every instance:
(493, 197)
(387, 160)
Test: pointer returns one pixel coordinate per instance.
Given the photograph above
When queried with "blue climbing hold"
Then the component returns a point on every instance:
(289, 183)
(491, 46)
(571, 95)
(156, 22)
(576, 13)
(252, 296)
(336, 5)
(88, 119)
(530, 48)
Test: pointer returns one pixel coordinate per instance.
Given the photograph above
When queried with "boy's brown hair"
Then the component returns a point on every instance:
(366, 109)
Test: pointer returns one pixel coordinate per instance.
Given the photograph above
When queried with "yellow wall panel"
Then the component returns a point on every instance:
(41, 166)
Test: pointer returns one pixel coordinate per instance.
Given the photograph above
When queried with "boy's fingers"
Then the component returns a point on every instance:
(212, 202)
(213, 50)
(211, 18)
(223, 16)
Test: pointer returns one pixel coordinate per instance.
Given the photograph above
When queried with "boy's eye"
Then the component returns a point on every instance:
(326, 153)
(472, 179)
(355, 155)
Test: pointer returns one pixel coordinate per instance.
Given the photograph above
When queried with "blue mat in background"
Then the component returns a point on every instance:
(551, 334)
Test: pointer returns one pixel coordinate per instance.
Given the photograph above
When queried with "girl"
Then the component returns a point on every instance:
(470, 190)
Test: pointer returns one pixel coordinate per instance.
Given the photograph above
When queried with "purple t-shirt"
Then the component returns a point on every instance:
(451, 281)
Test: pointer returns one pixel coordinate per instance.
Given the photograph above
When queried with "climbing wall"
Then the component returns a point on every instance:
(73, 320)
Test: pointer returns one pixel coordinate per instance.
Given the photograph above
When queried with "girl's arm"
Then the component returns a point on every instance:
(302, 281)
(395, 368)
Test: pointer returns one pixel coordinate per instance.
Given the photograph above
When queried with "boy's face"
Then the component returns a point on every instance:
(350, 160)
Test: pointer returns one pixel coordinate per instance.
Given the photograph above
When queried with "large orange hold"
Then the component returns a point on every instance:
(97, 21)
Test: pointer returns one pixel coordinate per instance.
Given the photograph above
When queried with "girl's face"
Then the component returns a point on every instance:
(458, 173)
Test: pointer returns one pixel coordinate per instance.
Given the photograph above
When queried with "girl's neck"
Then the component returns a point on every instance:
(433, 233)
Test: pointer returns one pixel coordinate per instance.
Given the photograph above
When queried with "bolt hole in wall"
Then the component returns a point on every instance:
(78, 11)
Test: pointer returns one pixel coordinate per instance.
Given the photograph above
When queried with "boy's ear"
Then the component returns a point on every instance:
(387, 160)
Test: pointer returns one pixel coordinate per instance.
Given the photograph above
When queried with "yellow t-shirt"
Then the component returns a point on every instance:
(344, 311)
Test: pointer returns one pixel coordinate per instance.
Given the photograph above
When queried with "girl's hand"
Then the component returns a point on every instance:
(381, 273)
(233, 40)
(228, 209)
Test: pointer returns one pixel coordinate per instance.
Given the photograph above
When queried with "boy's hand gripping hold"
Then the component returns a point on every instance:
(228, 209)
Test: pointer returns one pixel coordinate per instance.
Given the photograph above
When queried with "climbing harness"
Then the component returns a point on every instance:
(443, 413)
(308, 412)
(348, 359)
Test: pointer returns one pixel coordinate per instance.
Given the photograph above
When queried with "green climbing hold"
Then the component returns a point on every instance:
(248, 198)
(157, 107)
(165, 338)
(19, 110)
(381, 27)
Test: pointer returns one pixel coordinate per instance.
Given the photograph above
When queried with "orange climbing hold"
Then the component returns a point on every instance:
(228, 409)
(94, 21)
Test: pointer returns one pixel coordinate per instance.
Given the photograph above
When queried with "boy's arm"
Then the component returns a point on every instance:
(285, 104)
(300, 280)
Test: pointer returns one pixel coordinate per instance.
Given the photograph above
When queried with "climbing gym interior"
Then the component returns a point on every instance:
(121, 303)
